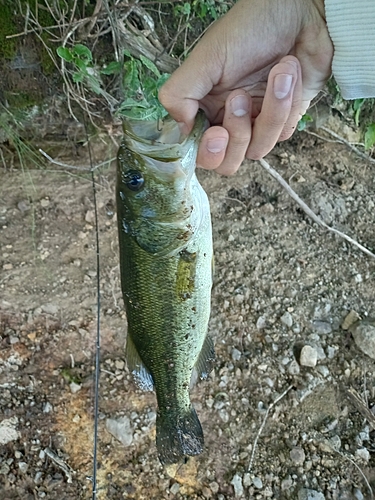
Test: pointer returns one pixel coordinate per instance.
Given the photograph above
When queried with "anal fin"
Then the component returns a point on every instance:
(142, 376)
(205, 361)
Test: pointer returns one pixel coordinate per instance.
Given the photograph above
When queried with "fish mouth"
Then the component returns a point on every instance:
(163, 140)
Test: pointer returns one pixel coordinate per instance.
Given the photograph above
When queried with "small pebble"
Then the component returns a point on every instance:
(237, 485)
(294, 368)
(47, 408)
(306, 494)
(297, 455)
(363, 453)
(358, 494)
(75, 387)
(335, 442)
(261, 323)
(308, 356)
(214, 487)
(364, 336)
(121, 429)
(44, 202)
(286, 484)
(207, 493)
(236, 354)
(119, 364)
(321, 327)
(246, 480)
(23, 466)
(349, 320)
(257, 483)
(287, 319)
(175, 488)
(23, 206)
(323, 370)
(8, 432)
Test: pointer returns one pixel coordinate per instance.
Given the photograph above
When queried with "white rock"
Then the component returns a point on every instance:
(308, 356)
(23, 466)
(246, 480)
(261, 323)
(8, 432)
(175, 488)
(121, 429)
(323, 370)
(236, 354)
(363, 453)
(287, 319)
(237, 485)
(294, 368)
(47, 408)
(364, 336)
(258, 483)
(75, 387)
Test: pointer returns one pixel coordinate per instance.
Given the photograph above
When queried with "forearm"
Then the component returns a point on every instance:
(351, 25)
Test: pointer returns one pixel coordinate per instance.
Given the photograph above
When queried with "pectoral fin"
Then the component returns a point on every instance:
(142, 376)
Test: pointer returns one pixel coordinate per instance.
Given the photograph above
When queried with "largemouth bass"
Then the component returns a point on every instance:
(166, 261)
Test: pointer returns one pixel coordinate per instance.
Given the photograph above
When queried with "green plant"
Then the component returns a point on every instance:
(84, 72)
(140, 80)
(306, 118)
(363, 111)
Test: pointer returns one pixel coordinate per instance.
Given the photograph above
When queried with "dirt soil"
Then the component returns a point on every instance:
(282, 289)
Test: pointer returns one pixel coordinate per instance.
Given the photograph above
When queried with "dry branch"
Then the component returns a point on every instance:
(308, 210)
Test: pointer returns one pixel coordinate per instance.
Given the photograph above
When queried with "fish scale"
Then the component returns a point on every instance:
(165, 241)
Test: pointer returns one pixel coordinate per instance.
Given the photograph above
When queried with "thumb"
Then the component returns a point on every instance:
(181, 93)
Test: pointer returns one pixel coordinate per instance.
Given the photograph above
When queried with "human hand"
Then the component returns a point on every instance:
(254, 73)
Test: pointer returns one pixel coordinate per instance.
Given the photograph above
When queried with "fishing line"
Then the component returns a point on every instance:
(97, 349)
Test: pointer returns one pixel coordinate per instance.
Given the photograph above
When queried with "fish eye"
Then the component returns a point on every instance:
(134, 180)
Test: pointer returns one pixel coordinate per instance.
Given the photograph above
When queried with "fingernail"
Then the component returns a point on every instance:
(239, 105)
(282, 85)
(216, 145)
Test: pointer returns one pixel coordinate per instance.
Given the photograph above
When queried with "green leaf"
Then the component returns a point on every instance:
(64, 53)
(94, 84)
(82, 51)
(112, 68)
(127, 54)
(370, 136)
(150, 65)
(78, 77)
(81, 65)
(131, 81)
(357, 105)
(304, 121)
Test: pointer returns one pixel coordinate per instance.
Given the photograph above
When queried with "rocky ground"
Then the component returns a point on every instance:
(288, 412)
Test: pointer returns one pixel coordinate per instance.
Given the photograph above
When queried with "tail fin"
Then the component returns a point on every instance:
(176, 438)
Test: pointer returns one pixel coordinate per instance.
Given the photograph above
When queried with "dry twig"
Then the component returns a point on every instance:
(349, 145)
(308, 210)
(264, 423)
